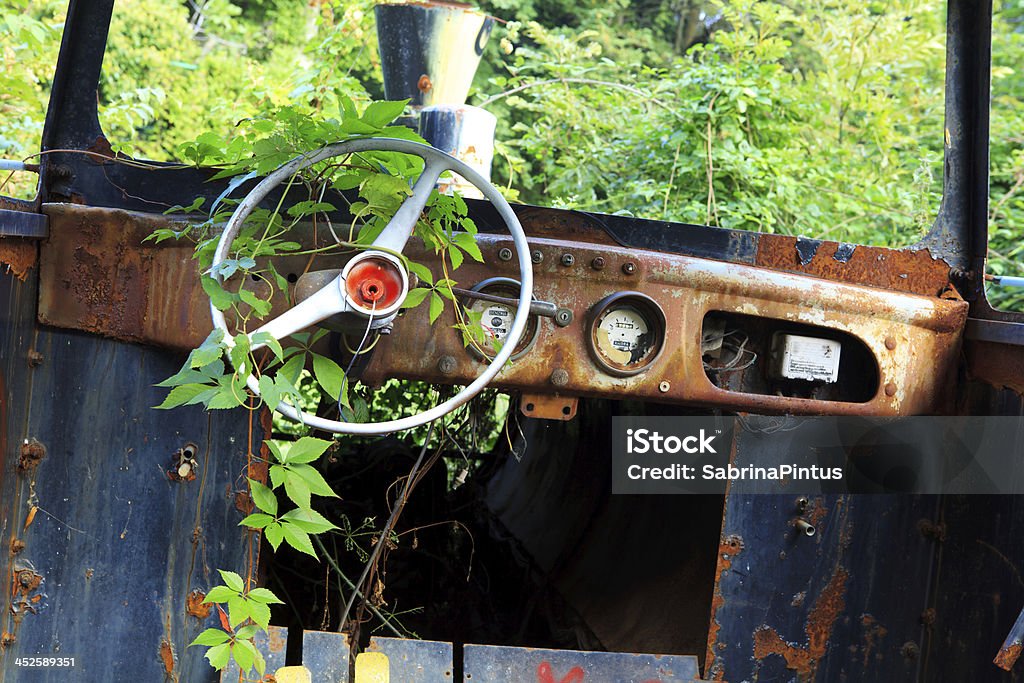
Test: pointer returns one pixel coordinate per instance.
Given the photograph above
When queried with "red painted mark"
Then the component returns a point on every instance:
(546, 675)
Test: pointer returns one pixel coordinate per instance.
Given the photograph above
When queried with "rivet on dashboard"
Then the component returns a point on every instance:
(537, 256)
(505, 254)
(628, 267)
(890, 343)
(890, 389)
(559, 377)
(568, 260)
(664, 386)
(597, 263)
(446, 365)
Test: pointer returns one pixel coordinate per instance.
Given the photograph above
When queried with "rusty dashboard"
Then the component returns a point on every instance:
(704, 331)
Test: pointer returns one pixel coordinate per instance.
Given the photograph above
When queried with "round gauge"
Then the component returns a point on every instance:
(495, 319)
(627, 333)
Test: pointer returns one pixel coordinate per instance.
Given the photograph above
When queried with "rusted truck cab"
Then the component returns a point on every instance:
(115, 516)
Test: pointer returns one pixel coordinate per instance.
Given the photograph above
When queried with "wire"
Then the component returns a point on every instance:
(358, 351)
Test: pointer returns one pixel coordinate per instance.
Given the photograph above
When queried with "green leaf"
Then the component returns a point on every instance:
(256, 520)
(179, 396)
(274, 534)
(220, 594)
(247, 632)
(268, 340)
(314, 480)
(219, 656)
(183, 376)
(211, 636)
(455, 255)
(298, 539)
(307, 449)
(309, 521)
(259, 613)
(469, 245)
(258, 305)
(269, 392)
(221, 298)
(329, 374)
(292, 368)
(297, 489)
(263, 497)
(436, 306)
(420, 271)
(415, 297)
(225, 398)
(238, 610)
(277, 475)
(264, 595)
(245, 654)
(232, 580)
(379, 114)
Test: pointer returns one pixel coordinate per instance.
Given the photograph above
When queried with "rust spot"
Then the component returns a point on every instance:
(277, 639)
(1000, 365)
(899, 269)
(243, 502)
(932, 530)
(167, 655)
(728, 549)
(1008, 656)
(35, 359)
(89, 573)
(195, 605)
(20, 255)
(805, 660)
(17, 545)
(928, 617)
(873, 633)
(7, 639)
(424, 84)
(31, 453)
(25, 596)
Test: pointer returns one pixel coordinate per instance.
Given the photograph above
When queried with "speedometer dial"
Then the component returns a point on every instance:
(627, 333)
(494, 319)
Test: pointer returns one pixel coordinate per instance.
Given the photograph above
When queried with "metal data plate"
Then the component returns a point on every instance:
(496, 664)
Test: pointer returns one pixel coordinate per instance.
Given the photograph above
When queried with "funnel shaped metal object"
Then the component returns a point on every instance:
(429, 51)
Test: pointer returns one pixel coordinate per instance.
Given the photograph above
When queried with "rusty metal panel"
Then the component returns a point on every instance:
(272, 644)
(499, 664)
(850, 602)
(415, 660)
(104, 547)
(99, 276)
(326, 655)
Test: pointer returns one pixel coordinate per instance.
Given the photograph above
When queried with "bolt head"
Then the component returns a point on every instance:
(537, 256)
(568, 260)
(597, 263)
(559, 377)
(629, 268)
(446, 365)
(664, 386)
(505, 254)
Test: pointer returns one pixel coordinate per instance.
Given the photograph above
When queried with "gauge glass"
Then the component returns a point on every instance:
(627, 332)
(624, 335)
(496, 319)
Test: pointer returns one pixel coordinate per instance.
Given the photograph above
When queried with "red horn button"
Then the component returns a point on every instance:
(374, 283)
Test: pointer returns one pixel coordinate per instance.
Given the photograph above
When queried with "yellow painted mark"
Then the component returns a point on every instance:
(372, 667)
(293, 674)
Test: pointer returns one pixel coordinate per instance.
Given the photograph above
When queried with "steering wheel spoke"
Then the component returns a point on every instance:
(399, 228)
(324, 303)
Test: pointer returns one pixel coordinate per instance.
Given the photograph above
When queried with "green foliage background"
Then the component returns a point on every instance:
(821, 118)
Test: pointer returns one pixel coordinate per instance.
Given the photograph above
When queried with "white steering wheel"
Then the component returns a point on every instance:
(374, 283)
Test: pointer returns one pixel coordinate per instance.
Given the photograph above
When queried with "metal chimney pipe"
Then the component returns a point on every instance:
(430, 50)
(429, 53)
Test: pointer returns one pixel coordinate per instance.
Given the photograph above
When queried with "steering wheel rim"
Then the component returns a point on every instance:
(433, 159)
